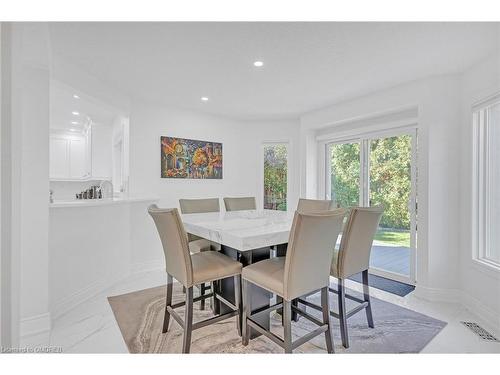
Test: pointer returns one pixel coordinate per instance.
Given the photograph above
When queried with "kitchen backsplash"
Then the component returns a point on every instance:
(66, 190)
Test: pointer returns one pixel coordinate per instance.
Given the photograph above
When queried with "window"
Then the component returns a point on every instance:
(275, 176)
(487, 183)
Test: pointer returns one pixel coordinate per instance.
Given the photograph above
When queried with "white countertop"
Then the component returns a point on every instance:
(98, 202)
(241, 230)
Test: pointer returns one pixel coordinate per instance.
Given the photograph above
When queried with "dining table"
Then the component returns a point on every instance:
(247, 236)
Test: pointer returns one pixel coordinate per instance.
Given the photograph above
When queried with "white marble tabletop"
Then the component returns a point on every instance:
(241, 230)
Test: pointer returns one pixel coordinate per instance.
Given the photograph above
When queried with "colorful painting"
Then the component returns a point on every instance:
(189, 158)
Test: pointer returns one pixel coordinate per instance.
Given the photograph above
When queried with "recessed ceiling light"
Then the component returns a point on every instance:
(258, 64)
(76, 96)
(75, 113)
(204, 99)
(72, 130)
(74, 123)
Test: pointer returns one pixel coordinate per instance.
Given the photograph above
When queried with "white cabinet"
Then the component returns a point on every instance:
(77, 158)
(59, 158)
(102, 152)
(68, 157)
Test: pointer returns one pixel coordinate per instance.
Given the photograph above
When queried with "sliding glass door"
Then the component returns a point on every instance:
(380, 170)
(345, 173)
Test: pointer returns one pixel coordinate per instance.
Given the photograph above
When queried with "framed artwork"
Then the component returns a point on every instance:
(190, 158)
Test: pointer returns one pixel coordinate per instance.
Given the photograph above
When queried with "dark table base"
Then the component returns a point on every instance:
(259, 298)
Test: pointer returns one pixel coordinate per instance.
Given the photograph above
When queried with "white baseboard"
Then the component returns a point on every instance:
(35, 330)
(489, 316)
(65, 304)
(438, 295)
(70, 302)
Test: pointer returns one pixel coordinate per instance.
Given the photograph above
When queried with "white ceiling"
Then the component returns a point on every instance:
(307, 65)
(63, 104)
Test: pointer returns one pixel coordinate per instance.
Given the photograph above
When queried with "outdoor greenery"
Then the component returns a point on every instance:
(345, 174)
(275, 177)
(394, 238)
(389, 178)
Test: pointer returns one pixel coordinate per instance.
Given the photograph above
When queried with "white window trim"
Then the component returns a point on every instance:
(288, 143)
(480, 190)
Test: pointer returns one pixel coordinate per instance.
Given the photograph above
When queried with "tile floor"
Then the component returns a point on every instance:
(91, 327)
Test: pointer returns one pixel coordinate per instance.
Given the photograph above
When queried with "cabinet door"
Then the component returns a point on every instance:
(102, 140)
(59, 161)
(77, 158)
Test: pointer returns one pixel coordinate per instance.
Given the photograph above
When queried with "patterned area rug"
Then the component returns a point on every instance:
(140, 318)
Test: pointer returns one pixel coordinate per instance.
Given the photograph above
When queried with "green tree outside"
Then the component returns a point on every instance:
(275, 177)
(390, 182)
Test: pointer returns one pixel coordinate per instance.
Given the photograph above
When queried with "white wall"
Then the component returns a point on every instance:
(25, 181)
(481, 284)
(445, 270)
(4, 291)
(437, 101)
(242, 169)
(242, 150)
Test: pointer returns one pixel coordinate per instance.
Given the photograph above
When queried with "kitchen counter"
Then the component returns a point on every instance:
(97, 202)
(95, 243)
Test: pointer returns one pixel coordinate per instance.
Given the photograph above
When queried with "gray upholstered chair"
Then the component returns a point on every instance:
(198, 244)
(352, 257)
(240, 203)
(190, 270)
(305, 269)
(195, 206)
(313, 205)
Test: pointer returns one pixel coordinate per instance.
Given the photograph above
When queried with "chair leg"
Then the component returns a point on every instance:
(202, 293)
(168, 302)
(342, 314)
(245, 330)
(237, 301)
(215, 301)
(325, 304)
(287, 324)
(366, 294)
(188, 320)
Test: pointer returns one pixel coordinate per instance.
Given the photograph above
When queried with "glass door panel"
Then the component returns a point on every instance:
(344, 174)
(371, 171)
(390, 185)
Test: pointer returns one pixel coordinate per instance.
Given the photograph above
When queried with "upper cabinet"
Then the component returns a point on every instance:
(82, 156)
(59, 157)
(68, 157)
(82, 128)
(101, 152)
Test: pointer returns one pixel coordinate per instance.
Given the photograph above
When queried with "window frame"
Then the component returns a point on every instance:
(481, 189)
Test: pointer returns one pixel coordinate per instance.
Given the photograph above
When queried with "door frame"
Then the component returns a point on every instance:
(363, 138)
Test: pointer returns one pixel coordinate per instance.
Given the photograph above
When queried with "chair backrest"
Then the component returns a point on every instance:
(194, 206)
(175, 245)
(310, 250)
(313, 205)
(240, 203)
(357, 239)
